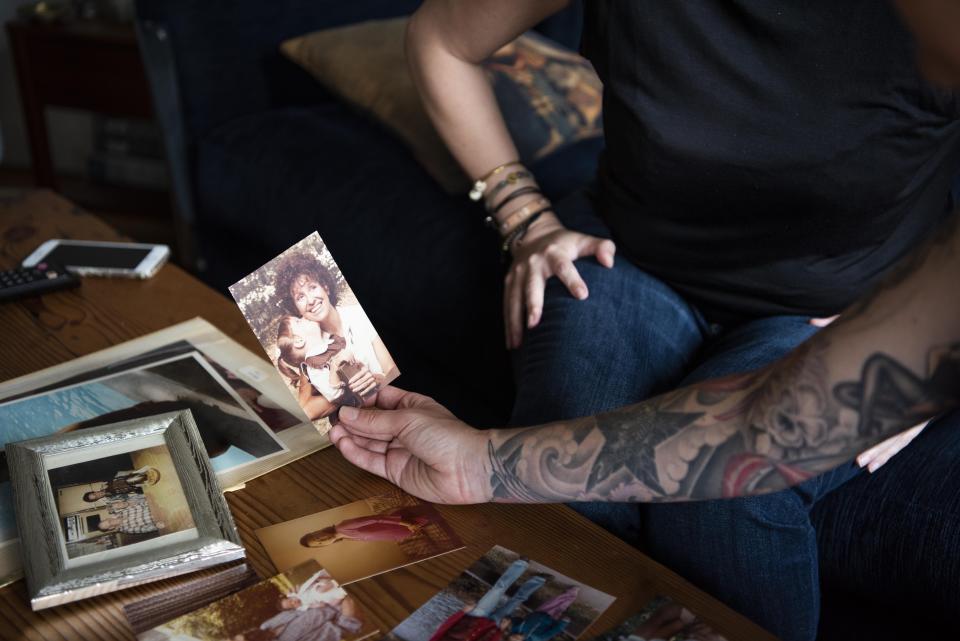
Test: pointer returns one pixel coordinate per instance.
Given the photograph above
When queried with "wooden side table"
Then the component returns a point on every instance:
(85, 64)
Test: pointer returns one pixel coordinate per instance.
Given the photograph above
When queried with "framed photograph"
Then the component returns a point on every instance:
(363, 538)
(109, 507)
(314, 331)
(303, 603)
(506, 596)
(117, 383)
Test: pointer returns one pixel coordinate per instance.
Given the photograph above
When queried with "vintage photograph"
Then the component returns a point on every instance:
(120, 500)
(363, 538)
(108, 507)
(663, 619)
(302, 604)
(506, 597)
(232, 435)
(314, 331)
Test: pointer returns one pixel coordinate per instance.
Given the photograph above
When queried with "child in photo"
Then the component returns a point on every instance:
(325, 359)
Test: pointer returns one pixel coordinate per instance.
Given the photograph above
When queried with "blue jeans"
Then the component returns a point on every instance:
(489, 605)
(635, 337)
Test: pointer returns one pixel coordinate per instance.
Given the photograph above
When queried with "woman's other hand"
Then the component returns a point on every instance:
(548, 249)
(416, 444)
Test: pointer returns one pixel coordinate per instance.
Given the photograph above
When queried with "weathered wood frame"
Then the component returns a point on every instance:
(49, 581)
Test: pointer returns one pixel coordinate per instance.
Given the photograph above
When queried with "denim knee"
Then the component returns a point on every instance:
(632, 337)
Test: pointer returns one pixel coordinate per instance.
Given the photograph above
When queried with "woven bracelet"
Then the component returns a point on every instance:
(523, 191)
(521, 229)
(512, 179)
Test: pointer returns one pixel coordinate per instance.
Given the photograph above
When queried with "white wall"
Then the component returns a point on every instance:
(70, 131)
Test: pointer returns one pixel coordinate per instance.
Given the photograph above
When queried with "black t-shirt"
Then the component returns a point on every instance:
(767, 157)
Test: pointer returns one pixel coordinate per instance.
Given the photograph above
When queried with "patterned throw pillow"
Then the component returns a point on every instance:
(550, 96)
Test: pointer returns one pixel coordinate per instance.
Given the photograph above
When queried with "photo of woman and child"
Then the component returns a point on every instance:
(305, 316)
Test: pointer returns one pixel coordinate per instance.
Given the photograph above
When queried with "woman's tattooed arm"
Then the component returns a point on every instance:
(890, 362)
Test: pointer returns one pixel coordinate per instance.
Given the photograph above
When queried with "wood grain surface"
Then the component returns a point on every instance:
(44, 331)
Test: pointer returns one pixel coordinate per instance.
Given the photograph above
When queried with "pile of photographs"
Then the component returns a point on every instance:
(247, 421)
(503, 596)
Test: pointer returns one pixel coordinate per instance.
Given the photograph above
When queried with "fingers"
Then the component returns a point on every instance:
(374, 445)
(373, 462)
(513, 306)
(605, 252)
(526, 281)
(874, 458)
(534, 290)
(562, 267)
(394, 398)
(900, 442)
(602, 249)
(823, 322)
(387, 424)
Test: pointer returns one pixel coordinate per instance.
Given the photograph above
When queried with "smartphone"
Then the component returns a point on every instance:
(98, 258)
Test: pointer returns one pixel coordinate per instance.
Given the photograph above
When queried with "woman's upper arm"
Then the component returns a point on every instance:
(473, 30)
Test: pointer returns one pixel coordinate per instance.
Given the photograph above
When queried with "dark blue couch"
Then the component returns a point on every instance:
(262, 156)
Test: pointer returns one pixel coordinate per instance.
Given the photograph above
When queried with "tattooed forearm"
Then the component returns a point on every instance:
(739, 435)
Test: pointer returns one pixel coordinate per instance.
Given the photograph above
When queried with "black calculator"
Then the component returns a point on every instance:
(33, 281)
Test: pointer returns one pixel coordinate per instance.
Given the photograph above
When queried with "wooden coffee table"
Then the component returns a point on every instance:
(44, 331)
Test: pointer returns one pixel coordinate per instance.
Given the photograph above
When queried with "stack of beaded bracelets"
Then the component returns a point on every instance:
(515, 224)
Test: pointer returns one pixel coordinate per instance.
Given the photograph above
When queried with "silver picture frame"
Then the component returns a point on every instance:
(55, 576)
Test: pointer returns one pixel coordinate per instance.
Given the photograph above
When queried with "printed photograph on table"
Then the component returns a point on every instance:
(115, 501)
(273, 416)
(301, 604)
(363, 538)
(663, 619)
(506, 597)
(314, 331)
(231, 434)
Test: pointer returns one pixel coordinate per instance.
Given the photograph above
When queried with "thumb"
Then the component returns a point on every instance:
(374, 423)
(392, 398)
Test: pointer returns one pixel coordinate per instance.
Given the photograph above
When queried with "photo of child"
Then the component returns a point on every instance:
(325, 360)
(302, 604)
(308, 321)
